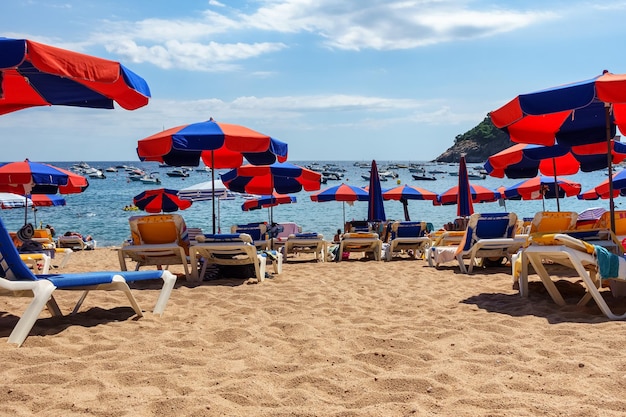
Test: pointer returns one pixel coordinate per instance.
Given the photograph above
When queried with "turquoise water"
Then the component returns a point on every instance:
(99, 210)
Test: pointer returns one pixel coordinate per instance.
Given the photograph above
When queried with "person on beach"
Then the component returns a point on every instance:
(84, 238)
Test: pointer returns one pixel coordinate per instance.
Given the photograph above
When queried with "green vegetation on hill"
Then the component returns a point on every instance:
(477, 144)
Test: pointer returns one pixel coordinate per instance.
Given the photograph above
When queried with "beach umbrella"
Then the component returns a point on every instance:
(269, 202)
(45, 200)
(464, 207)
(573, 114)
(38, 178)
(160, 200)
(406, 192)
(283, 178)
(29, 178)
(342, 192)
(540, 188)
(478, 194)
(527, 161)
(218, 145)
(34, 74)
(375, 206)
(602, 190)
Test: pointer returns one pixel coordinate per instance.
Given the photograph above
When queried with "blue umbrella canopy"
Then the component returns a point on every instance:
(375, 208)
(464, 207)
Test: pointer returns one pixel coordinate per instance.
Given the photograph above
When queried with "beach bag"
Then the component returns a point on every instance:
(31, 246)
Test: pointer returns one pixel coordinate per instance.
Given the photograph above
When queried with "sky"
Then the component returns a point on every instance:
(336, 80)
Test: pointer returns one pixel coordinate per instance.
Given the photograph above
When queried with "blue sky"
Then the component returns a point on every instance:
(336, 80)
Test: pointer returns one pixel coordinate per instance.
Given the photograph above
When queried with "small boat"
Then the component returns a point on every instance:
(423, 178)
(182, 173)
(380, 177)
(152, 178)
(437, 171)
(470, 176)
(111, 169)
(333, 176)
(95, 173)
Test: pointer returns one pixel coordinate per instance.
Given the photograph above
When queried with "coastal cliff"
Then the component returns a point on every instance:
(478, 144)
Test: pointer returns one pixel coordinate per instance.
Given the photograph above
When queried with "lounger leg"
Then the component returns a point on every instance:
(41, 296)
(169, 280)
(547, 281)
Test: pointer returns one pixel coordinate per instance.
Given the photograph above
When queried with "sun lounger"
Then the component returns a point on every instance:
(488, 235)
(407, 236)
(226, 249)
(364, 242)
(157, 240)
(306, 243)
(593, 264)
(16, 279)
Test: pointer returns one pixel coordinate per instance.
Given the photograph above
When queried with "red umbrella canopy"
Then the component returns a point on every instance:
(479, 194)
(266, 201)
(219, 145)
(409, 192)
(43, 200)
(569, 114)
(342, 192)
(160, 200)
(283, 178)
(526, 161)
(542, 187)
(38, 178)
(34, 74)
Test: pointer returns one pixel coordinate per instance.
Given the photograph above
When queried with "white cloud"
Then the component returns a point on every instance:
(203, 42)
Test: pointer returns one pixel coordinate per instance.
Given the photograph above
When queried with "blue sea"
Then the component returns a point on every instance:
(99, 210)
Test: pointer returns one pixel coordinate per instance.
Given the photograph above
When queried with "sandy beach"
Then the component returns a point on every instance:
(355, 338)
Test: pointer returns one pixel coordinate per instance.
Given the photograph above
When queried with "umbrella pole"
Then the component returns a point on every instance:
(609, 157)
(213, 187)
(344, 213)
(25, 209)
(556, 186)
(405, 206)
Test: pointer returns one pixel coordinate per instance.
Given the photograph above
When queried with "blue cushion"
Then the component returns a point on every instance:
(309, 235)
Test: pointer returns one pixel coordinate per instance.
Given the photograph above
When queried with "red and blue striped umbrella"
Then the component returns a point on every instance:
(406, 192)
(283, 178)
(160, 200)
(572, 114)
(342, 192)
(33, 74)
(542, 187)
(375, 207)
(267, 201)
(478, 193)
(526, 160)
(464, 206)
(47, 200)
(219, 145)
(38, 178)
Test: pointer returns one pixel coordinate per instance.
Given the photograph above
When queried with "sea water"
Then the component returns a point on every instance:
(99, 210)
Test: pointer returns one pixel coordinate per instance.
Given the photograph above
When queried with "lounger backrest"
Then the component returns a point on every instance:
(408, 229)
(489, 226)
(553, 221)
(620, 222)
(257, 231)
(158, 229)
(11, 265)
(225, 238)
